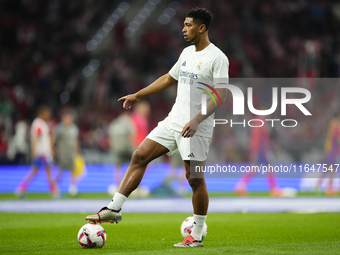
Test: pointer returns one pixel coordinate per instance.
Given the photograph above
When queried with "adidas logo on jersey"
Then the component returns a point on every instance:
(191, 155)
(184, 63)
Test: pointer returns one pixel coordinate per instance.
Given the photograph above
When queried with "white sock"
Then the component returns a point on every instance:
(72, 190)
(117, 202)
(198, 226)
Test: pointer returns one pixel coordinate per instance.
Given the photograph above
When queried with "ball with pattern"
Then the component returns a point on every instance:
(91, 235)
(187, 226)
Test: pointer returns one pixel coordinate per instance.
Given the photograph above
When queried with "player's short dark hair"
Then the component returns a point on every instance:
(201, 16)
(42, 108)
(67, 112)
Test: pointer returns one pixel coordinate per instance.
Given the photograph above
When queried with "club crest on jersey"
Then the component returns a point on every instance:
(199, 66)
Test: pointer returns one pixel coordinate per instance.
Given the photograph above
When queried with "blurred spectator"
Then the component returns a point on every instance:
(18, 148)
(43, 52)
(66, 140)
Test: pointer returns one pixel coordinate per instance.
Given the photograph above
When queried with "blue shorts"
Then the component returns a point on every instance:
(41, 161)
(262, 158)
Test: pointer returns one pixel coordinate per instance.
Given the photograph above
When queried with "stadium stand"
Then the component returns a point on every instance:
(51, 50)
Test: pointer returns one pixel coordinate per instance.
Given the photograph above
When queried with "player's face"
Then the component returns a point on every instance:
(46, 115)
(67, 119)
(190, 30)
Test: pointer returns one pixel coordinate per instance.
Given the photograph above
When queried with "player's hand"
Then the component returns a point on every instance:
(190, 129)
(129, 101)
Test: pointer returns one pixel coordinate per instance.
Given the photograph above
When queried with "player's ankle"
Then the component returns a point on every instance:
(196, 237)
(117, 202)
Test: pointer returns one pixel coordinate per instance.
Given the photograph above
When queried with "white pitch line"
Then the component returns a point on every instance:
(168, 205)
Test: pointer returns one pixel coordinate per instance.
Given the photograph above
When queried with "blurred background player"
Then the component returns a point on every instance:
(65, 139)
(174, 182)
(41, 151)
(260, 152)
(176, 172)
(122, 134)
(332, 154)
(140, 117)
(18, 148)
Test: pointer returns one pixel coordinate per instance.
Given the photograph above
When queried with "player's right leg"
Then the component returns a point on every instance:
(330, 190)
(145, 153)
(241, 187)
(72, 189)
(22, 187)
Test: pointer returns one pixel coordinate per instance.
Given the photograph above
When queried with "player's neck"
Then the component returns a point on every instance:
(202, 44)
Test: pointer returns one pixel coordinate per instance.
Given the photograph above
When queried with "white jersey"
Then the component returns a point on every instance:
(41, 131)
(206, 65)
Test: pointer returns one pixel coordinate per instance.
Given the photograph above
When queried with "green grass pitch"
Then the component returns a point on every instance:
(154, 233)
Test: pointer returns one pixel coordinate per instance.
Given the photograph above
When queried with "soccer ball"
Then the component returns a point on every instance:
(91, 235)
(187, 226)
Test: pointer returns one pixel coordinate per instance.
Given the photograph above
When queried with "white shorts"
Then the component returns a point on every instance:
(193, 148)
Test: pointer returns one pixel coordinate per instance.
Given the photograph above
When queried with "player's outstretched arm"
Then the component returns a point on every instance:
(191, 127)
(157, 86)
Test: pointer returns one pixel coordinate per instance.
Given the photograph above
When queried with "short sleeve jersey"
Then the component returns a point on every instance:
(66, 140)
(120, 132)
(41, 131)
(209, 65)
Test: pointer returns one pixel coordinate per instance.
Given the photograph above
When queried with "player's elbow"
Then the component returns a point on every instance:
(169, 79)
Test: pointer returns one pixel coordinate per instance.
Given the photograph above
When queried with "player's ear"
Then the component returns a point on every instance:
(202, 28)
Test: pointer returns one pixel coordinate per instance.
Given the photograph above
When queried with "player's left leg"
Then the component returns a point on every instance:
(200, 202)
(59, 175)
(53, 186)
(275, 190)
(22, 187)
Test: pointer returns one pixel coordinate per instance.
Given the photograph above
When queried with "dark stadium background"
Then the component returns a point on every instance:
(87, 54)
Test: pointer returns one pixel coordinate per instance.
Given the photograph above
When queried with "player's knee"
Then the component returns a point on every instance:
(195, 182)
(139, 158)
